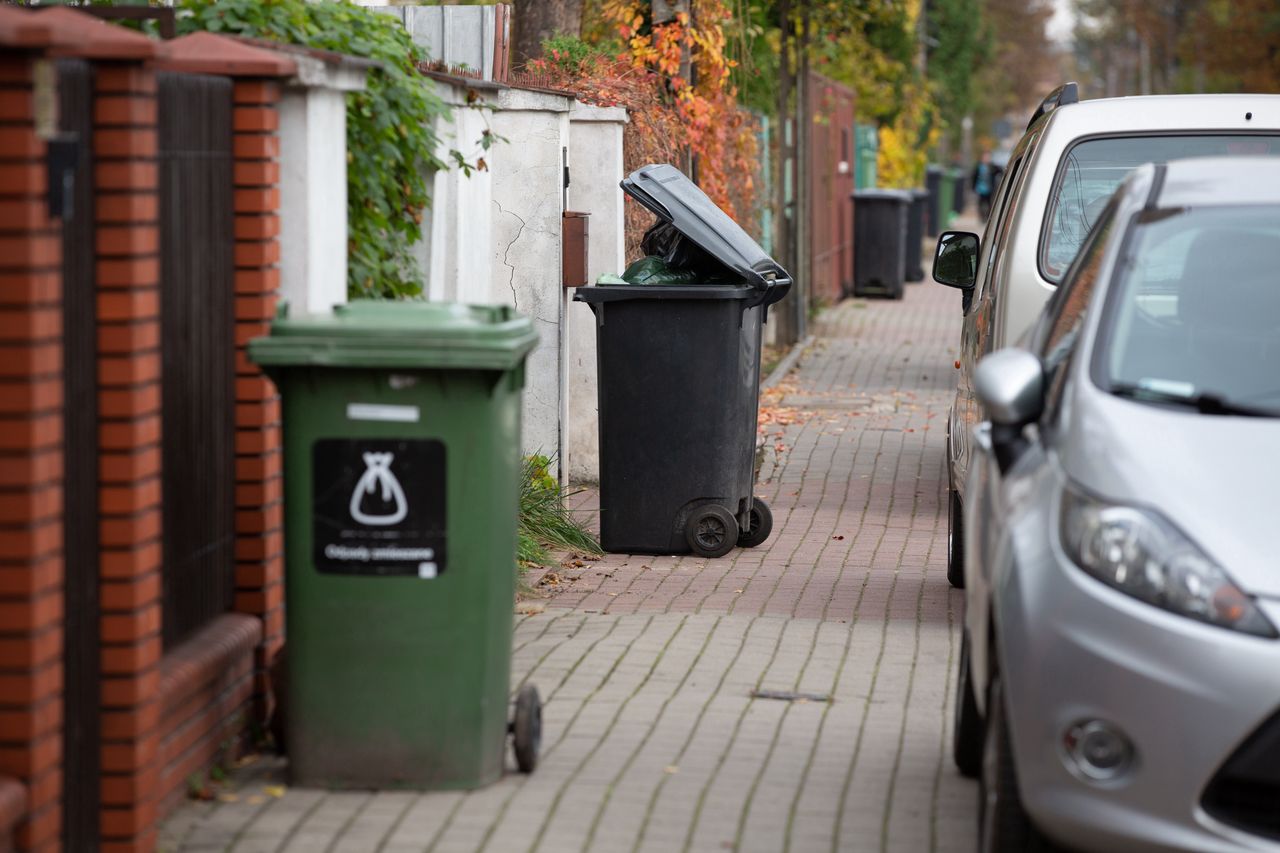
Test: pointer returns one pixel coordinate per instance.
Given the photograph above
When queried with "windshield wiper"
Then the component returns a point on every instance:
(1202, 401)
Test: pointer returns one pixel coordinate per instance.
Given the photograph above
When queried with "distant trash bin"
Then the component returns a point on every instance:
(679, 383)
(912, 246)
(933, 213)
(879, 237)
(946, 199)
(961, 180)
(402, 469)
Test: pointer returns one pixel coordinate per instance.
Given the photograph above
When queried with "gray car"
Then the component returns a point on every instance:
(1060, 174)
(1119, 676)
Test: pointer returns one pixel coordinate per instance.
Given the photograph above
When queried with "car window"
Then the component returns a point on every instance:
(1197, 311)
(999, 249)
(1060, 332)
(1066, 310)
(1092, 169)
(999, 215)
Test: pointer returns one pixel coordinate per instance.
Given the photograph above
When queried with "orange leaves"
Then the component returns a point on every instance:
(680, 98)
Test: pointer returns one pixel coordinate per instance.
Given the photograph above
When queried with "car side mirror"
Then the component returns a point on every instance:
(955, 261)
(1009, 384)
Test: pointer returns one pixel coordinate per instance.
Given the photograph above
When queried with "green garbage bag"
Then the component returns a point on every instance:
(655, 270)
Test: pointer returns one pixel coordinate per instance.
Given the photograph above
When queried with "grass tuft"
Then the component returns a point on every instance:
(545, 523)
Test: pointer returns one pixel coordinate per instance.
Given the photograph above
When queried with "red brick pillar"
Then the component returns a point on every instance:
(128, 279)
(259, 492)
(31, 460)
(259, 485)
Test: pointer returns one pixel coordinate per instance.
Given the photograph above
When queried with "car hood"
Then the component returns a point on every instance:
(1215, 477)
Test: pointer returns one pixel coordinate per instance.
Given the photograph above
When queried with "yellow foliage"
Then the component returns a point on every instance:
(905, 144)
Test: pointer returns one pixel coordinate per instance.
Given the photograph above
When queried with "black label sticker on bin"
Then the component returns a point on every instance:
(378, 506)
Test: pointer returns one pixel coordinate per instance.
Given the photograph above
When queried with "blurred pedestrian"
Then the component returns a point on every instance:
(984, 183)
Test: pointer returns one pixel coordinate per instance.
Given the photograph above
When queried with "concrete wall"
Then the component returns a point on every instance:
(474, 37)
(313, 185)
(528, 192)
(454, 254)
(494, 237)
(595, 154)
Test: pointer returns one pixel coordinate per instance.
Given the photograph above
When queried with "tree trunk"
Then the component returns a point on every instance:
(536, 20)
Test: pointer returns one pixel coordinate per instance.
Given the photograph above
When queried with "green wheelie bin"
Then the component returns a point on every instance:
(402, 467)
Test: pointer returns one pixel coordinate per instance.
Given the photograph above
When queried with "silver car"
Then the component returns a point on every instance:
(1119, 681)
(1060, 175)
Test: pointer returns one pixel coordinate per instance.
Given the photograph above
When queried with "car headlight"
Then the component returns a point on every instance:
(1140, 553)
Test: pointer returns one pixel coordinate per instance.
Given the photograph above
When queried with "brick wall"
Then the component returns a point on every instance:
(164, 714)
(31, 457)
(259, 484)
(127, 273)
(207, 699)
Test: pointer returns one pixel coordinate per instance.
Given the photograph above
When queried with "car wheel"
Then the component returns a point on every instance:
(1003, 825)
(966, 734)
(955, 540)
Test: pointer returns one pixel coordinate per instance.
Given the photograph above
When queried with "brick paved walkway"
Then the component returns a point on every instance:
(647, 664)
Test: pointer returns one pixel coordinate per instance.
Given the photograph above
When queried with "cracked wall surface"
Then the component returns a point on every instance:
(527, 167)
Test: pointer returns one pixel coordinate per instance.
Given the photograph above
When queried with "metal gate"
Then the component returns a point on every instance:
(198, 349)
(80, 730)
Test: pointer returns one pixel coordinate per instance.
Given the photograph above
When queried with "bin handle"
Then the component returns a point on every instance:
(773, 291)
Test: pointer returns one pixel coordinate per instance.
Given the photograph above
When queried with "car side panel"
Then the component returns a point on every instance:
(981, 524)
(978, 321)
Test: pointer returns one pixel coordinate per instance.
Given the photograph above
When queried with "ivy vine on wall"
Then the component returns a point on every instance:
(391, 140)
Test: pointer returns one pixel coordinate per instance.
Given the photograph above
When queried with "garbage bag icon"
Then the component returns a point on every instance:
(377, 475)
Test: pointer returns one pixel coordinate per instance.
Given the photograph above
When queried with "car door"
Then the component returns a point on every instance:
(975, 329)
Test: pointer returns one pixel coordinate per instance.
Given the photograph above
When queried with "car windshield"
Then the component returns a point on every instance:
(1094, 168)
(1195, 316)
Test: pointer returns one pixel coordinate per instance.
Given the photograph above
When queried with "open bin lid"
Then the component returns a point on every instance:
(673, 198)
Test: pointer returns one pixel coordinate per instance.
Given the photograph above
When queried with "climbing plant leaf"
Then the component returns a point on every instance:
(391, 138)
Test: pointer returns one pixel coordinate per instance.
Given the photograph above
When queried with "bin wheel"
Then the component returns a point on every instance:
(526, 728)
(759, 527)
(711, 531)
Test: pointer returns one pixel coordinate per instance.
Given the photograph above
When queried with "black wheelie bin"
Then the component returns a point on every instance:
(879, 242)
(679, 382)
(913, 259)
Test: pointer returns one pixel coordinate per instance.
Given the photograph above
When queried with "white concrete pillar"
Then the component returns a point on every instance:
(313, 183)
(453, 256)
(528, 202)
(595, 152)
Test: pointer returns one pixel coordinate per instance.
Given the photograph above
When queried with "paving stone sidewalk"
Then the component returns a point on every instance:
(647, 665)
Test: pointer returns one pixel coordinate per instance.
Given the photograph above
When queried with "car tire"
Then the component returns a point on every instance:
(967, 733)
(1003, 824)
(955, 540)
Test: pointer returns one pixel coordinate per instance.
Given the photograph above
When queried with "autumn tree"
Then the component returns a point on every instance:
(1130, 47)
(1231, 47)
(535, 21)
(1022, 63)
(958, 44)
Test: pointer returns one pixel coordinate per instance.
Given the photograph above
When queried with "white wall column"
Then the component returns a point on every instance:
(453, 255)
(595, 151)
(528, 192)
(313, 183)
